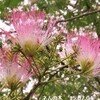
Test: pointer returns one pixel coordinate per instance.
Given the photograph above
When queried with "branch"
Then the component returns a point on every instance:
(60, 69)
(78, 16)
(32, 91)
(41, 83)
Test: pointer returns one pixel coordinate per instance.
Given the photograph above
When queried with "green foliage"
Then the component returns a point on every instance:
(72, 87)
(97, 24)
(50, 6)
(5, 5)
(12, 4)
(90, 22)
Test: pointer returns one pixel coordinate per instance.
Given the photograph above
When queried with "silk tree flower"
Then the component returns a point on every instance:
(12, 74)
(32, 34)
(89, 55)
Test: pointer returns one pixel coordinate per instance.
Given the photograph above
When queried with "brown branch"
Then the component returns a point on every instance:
(42, 83)
(78, 16)
(32, 92)
(60, 69)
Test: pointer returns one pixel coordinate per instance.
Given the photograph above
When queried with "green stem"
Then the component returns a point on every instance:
(36, 67)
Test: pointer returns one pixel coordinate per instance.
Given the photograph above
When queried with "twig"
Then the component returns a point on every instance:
(61, 68)
(36, 67)
(32, 91)
(78, 16)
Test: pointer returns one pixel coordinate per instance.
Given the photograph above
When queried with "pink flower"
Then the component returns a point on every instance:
(86, 50)
(89, 55)
(31, 31)
(13, 74)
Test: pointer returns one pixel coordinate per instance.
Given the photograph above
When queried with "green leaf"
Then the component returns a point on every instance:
(12, 4)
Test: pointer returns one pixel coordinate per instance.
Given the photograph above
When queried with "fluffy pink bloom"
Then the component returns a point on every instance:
(89, 55)
(14, 74)
(31, 31)
(87, 52)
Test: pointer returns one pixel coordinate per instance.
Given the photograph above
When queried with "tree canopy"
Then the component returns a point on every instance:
(75, 15)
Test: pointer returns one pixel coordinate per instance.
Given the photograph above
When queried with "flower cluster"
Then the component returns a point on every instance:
(36, 49)
(89, 55)
(13, 72)
(86, 49)
(32, 33)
